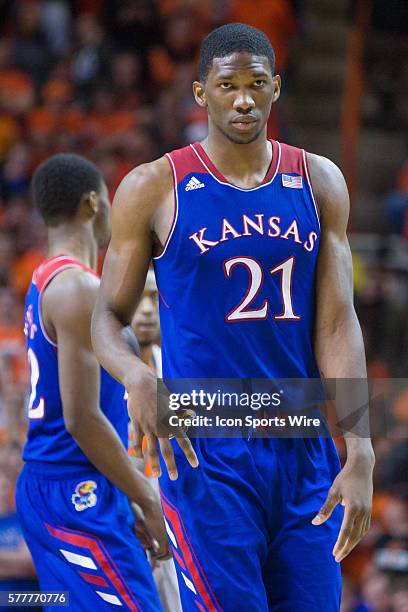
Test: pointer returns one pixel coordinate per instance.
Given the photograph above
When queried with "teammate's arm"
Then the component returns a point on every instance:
(137, 216)
(67, 308)
(339, 350)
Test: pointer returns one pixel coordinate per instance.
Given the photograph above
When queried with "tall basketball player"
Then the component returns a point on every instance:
(74, 493)
(249, 244)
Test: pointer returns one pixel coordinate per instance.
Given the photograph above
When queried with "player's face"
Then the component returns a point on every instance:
(103, 217)
(238, 93)
(146, 319)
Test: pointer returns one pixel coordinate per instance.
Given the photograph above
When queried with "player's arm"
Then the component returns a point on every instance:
(339, 351)
(67, 307)
(136, 218)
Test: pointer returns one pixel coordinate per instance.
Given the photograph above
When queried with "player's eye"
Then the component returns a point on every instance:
(259, 83)
(225, 85)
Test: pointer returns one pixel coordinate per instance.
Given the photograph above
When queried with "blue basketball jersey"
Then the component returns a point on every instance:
(237, 273)
(48, 439)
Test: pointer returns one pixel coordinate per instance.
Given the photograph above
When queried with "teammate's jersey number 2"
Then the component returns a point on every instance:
(242, 312)
(36, 409)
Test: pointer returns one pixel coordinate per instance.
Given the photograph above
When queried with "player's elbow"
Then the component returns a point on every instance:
(75, 425)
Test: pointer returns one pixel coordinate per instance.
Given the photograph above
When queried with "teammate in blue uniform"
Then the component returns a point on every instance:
(254, 273)
(74, 493)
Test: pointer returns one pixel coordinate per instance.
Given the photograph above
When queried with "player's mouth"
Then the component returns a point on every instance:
(146, 326)
(244, 123)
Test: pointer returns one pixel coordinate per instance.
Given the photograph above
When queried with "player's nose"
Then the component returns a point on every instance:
(244, 102)
(147, 306)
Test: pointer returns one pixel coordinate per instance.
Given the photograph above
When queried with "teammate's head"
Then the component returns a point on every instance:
(68, 187)
(237, 81)
(145, 322)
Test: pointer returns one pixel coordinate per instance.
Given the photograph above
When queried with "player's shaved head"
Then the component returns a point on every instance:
(232, 38)
(60, 183)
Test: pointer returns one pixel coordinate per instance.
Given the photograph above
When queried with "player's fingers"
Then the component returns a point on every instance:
(345, 532)
(350, 533)
(144, 537)
(164, 552)
(153, 454)
(333, 498)
(168, 457)
(138, 441)
(187, 448)
(367, 524)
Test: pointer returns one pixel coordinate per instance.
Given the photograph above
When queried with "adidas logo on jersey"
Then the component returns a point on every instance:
(194, 183)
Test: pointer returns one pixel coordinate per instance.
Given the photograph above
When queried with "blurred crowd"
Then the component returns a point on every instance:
(112, 81)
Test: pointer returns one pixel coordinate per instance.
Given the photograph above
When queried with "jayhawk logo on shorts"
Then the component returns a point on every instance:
(84, 496)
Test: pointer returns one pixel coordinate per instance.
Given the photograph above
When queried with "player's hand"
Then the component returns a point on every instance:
(143, 411)
(353, 489)
(141, 530)
(153, 518)
(151, 531)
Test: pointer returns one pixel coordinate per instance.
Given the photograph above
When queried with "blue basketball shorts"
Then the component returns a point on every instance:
(80, 532)
(240, 525)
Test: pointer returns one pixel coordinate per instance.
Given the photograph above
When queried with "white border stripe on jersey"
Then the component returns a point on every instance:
(170, 534)
(175, 215)
(235, 186)
(79, 559)
(189, 584)
(310, 186)
(112, 599)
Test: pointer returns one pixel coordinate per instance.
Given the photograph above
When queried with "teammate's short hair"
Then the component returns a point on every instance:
(231, 38)
(59, 184)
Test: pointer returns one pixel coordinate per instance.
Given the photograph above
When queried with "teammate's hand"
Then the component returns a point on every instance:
(154, 522)
(141, 530)
(143, 411)
(353, 489)
(151, 531)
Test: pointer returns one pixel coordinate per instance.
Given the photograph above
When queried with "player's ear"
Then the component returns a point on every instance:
(277, 83)
(199, 94)
(90, 203)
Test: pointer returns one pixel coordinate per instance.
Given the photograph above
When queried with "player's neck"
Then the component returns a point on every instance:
(75, 241)
(244, 165)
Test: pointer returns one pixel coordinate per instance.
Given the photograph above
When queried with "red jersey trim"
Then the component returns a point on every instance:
(268, 178)
(53, 266)
(185, 162)
(44, 274)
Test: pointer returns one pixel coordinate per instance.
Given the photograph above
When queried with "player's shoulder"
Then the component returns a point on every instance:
(154, 177)
(324, 172)
(70, 296)
(140, 195)
(328, 184)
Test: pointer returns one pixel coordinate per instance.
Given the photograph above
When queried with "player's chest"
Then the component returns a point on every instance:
(221, 223)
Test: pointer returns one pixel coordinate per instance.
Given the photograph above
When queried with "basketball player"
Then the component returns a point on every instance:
(254, 273)
(73, 493)
(146, 325)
